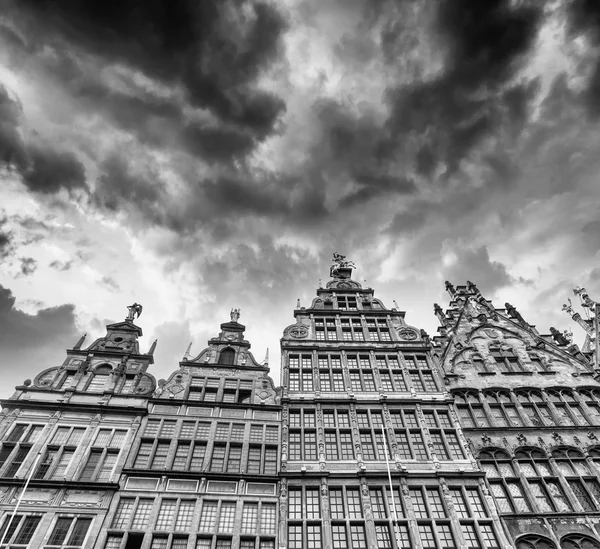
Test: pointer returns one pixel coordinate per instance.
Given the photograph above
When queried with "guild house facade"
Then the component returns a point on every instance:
(381, 437)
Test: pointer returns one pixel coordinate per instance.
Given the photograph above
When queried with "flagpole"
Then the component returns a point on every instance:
(387, 462)
(8, 525)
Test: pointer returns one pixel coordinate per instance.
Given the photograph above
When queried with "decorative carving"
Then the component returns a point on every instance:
(450, 288)
(298, 332)
(568, 308)
(592, 436)
(521, 438)
(235, 315)
(485, 438)
(407, 333)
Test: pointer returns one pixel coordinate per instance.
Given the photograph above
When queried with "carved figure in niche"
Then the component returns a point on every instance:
(234, 315)
(135, 309)
(471, 287)
(559, 338)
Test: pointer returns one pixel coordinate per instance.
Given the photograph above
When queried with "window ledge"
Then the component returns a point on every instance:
(547, 373)
(486, 373)
(517, 373)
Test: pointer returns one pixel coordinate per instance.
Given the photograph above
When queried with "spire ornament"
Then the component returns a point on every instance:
(234, 315)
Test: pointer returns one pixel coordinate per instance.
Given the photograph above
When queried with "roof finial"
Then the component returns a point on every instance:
(298, 304)
(395, 304)
(266, 360)
(339, 262)
(235, 315)
(450, 289)
(153, 347)
(187, 355)
(134, 309)
(80, 342)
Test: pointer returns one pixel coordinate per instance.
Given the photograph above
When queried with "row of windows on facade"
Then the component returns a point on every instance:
(66, 532)
(570, 541)
(347, 302)
(207, 389)
(506, 361)
(57, 461)
(352, 329)
(235, 444)
(407, 435)
(384, 373)
(531, 482)
(531, 407)
(437, 525)
(97, 381)
(135, 540)
(254, 521)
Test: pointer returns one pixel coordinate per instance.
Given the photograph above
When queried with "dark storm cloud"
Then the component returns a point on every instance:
(50, 170)
(27, 341)
(491, 275)
(585, 19)
(12, 149)
(43, 169)
(469, 100)
(6, 240)
(28, 266)
(215, 50)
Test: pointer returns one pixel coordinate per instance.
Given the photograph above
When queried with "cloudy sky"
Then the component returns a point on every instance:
(196, 156)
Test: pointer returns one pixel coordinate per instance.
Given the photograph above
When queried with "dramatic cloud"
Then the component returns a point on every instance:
(31, 343)
(196, 156)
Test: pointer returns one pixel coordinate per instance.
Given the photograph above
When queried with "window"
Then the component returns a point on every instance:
(504, 483)
(582, 481)
(543, 483)
(506, 360)
(69, 532)
(99, 379)
(301, 375)
(408, 435)
(534, 542)
(303, 435)
(304, 514)
(470, 410)
(568, 410)
(352, 329)
(578, 541)
(19, 529)
(504, 411)
(330, 373)
(346, 302)
(103, 455)
(378, 329)
(390, 374)
(361, 373)
(227, 356)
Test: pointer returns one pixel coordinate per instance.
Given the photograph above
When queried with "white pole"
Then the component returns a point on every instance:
(8, 524)
(387, 462)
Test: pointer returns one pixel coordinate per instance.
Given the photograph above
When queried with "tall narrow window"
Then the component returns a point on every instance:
(227, 356)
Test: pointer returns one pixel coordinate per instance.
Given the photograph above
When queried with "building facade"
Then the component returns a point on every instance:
(529, 406)
(483, 437)
(369, 434)
(67, 436)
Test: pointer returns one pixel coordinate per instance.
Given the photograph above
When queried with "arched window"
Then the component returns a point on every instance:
(567, 408)
(592, 401)
(98, 382)
(504, 412)
(470, 409)
(543, 483)
(227, 356)
(532, 541)
(506, 360)
(535, 407)
(578, 541)
(504, 483)
(572, 464)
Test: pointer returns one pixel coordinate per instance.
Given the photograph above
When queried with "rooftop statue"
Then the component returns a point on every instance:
(339, 262)
(234, 315)
(135, 309)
